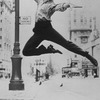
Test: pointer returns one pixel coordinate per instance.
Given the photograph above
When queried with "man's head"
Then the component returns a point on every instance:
(42, 1)
(47, 0)
(36, 1)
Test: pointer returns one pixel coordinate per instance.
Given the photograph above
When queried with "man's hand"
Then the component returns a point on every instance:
(74, 6)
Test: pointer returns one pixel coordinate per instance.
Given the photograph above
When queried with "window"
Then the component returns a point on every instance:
(1, 20)
(0, 29)
(1, 4)
(84, 39)
(0, 37)
(4, 45)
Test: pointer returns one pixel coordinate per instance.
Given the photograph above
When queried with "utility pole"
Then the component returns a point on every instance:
(16, 82)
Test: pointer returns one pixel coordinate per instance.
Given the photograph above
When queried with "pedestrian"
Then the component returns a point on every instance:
(43, 30)
(40, 83)
(61, 85)
(46, 76)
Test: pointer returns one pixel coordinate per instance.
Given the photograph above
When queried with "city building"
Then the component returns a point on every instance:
(6, 31)
(82, 26)
(38, 67)
(42, 65)
(93, 46)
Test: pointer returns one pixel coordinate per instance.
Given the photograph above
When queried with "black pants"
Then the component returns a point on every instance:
(44, 31)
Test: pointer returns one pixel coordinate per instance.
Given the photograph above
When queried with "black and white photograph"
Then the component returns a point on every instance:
(49, 50)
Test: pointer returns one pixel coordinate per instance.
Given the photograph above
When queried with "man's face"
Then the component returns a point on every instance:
(42, 0)
(35, 0)
(47, 0)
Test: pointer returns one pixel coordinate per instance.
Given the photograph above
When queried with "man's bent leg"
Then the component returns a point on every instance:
(30, 47)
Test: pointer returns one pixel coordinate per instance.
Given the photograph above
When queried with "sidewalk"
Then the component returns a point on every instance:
(72, 89)
(29, 93)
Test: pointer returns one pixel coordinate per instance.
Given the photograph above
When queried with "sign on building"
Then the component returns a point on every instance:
(25, 20)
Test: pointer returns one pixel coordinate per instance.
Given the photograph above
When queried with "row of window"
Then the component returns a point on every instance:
(7, 46)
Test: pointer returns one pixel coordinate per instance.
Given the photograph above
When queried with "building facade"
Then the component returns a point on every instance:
(81, 27)
(5, 38)
(93, 46)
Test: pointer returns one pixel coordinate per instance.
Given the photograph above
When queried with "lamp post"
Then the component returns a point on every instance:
(16, 82)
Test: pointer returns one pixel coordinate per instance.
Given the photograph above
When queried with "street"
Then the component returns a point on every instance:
(56, 88)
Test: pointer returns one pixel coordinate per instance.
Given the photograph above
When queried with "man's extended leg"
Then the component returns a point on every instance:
(57, 38)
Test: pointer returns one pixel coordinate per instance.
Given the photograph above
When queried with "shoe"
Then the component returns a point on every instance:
(50, 49)
(42, 49)
(93, 60)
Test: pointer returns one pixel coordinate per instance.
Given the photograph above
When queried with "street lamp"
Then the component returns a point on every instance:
(16, 82)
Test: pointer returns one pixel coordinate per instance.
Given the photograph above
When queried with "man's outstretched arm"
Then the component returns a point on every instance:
(37, 1)
(63, 6)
